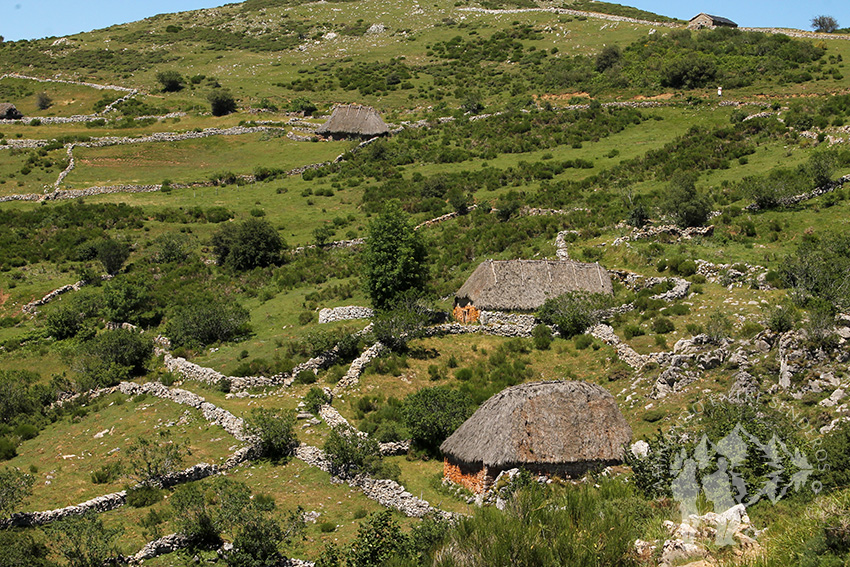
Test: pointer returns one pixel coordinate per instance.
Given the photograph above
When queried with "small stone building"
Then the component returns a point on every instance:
(353, 121)
(524, 285)
(9, 112)
(560, 428)
(704, 20)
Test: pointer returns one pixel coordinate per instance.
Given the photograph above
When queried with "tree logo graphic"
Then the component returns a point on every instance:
(714, 469)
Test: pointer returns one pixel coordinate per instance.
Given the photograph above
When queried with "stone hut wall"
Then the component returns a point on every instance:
(466, 314)
(476, 481)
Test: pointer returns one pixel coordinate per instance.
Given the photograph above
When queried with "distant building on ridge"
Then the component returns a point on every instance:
(704, 20)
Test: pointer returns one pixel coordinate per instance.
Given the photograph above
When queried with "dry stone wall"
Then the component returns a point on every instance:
(580, 13)
(347, 313)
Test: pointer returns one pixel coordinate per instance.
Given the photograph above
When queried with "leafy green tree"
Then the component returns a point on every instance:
(821, 167)
(824, 24)
(250, 244)
(151, 459)
(275, 431)
(124, 300)
(403, 319)
(15, 487)
(195, 516)
(43, 101)
(821, 267)
(21, 549)
(84, 541)
(171, 247)
(113, 356)
(171, 80)
(207, 320)
(259, 537)
(432, 414)
(112, 254)
(608, 57)
(394, 260)
(573, 312)
(542, 337)
(684, 203)
(63, 322)
(221, 102)
(378, 540)
(323, 234)
(350, 453)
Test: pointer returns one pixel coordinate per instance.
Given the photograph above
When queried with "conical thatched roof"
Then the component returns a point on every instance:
(542, 423)
(523, 285)
(354, 120)
(9, 112)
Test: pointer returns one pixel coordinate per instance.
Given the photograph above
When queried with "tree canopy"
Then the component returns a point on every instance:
(394, 259)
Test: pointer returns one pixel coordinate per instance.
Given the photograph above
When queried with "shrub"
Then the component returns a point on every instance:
(583, 341)
(112, 254)
(542, 337)
(151, 458)
(43, 101)
(349, 453)
(663, 325)
(113, 356)
(275, 430)
(221, 102)
(8, 449)
(207, 321)
(250, 244)
(106, 473)
(573, 312)
(631, 331)
(63, 322)
(171, 81)
(432, 414)
(315, 399)
(684, 203)
(143, 496)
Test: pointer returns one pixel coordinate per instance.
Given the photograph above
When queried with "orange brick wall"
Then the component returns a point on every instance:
(467, 314)
(476, 482)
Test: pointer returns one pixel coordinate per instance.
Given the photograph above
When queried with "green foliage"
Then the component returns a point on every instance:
(314, 399)
(112, 254)
(394, 260)
(206, 321)
(378, 540)
(43, 101)
(573, 312)
(171, 247)
(15, 487)
(834, 473)
(821, 267)
(432, 414)
(542, 337)
(143, 496)
(84, 541)
(781, 317)
(127, 300)
(221, 102)
(20, 549)
(350, 453)
(171, 80)
(63, 322)
(250, 244)
(151, 459)
(824, 24)
(684, 203)
(113, 356)
(302, 104)
(403, 318)
(718, 326)
(107, 473)
(275, 432)
(662, 325)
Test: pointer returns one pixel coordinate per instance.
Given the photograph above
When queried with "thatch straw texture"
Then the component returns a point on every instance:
(354, 120)
(542, 423)
(9, 112)
(524, 285)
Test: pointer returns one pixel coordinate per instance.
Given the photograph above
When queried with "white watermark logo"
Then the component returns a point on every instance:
(715, 470)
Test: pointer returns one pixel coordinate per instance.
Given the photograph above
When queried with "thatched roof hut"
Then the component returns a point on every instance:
(353, 120)
(524, 285)
(562, 427)
(9, 112)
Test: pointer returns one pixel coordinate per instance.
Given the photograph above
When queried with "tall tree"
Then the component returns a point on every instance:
(826, 24)
(395, 257)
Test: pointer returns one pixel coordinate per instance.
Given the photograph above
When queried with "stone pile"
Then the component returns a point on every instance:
(502, 318)
(162, 546)
(627, 354)
(347, 313)
(731, 275)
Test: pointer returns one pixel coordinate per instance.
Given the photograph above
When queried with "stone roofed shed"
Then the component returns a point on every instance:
(562, 428)
(524, 285)
(704, 20)
(353, 121)
(9, 112)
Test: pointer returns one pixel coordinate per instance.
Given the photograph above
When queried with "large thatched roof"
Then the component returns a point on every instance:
(8, 111)
(542, 423)
(354, 120)
(523, 285)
